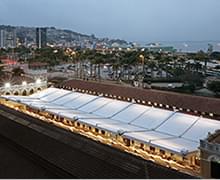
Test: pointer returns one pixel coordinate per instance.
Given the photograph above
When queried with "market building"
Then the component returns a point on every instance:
(167, 137)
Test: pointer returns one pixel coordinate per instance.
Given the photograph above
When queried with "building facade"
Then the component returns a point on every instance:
(210, 156)
(41, 37)
(8, 37)
(1, 38)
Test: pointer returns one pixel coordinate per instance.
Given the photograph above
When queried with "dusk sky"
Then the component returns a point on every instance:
(132, 20)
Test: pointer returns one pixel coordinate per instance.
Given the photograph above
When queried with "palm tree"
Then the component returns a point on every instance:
(98, 60)
(202, 56)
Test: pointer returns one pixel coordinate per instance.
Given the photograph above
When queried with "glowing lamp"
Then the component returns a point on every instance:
(7, 85)
(24, 83)
(38, 81)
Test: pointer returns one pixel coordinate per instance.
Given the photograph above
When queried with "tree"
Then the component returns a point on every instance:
(17, 71)
(1, 69)
(202, 56)
(214, 86)
(99, 59)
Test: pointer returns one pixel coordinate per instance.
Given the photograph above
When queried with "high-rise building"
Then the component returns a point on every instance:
(41, 37)
(1, 38)
(8, 38)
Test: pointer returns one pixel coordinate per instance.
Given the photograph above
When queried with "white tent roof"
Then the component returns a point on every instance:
(22, 98)
(166, 129)
(148, 136)
(179, 145)
(112, 108)
(201, 129)
(120, 127)
(152, 118)
(45, 106)
(96, 122)
(44, 93)
(82, 116)
(95, 105)
(64, 111)
(55, 95)
(131, 113)
(67, 98)
(80, 101)
(180, 121)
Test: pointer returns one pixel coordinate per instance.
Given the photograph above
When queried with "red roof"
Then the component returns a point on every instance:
(9, 61)
(184, 101)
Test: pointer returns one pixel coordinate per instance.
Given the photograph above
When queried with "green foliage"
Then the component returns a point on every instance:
(17, 71)
(194, 79)
(1, 69)
(214, 86)
(215, 55)
(50, 55)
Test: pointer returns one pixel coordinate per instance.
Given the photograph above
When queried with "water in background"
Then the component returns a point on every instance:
(191, 46)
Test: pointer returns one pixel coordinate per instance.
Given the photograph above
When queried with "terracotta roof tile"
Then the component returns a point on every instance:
(184, 101)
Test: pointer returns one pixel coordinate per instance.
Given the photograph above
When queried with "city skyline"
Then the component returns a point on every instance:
(170, 20)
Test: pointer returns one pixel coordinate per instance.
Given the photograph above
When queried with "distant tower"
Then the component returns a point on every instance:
(11, 38)
(41, 37)
(2, 38)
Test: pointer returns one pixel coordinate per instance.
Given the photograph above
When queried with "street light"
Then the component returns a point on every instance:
(24, 83)
(141, 58)
(38, 81)
(7, 85)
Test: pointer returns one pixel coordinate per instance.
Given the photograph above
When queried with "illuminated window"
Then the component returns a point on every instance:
(126, 141)
(162, 151)
(152, 148)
